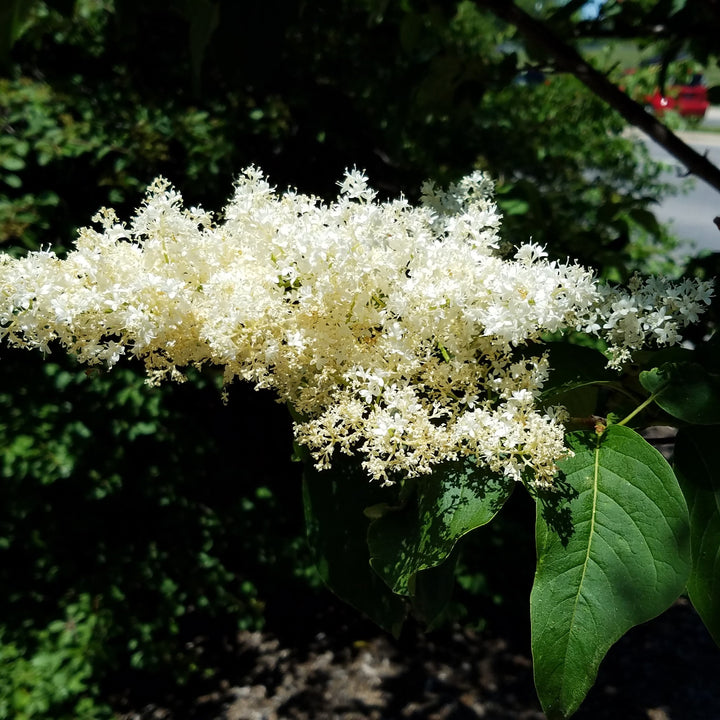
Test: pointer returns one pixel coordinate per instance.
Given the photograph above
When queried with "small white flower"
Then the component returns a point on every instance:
(391, 329)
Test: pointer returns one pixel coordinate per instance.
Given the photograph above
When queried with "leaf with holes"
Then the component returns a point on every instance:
(613, 551)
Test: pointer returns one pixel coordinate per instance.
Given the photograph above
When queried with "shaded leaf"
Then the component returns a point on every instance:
(433, 589)
(687, 391)
(646, 220)
(454, 500)
(335, 501)
(12, 16)
(203, 17)
(576, 373)
(697, 472)
(614, 554)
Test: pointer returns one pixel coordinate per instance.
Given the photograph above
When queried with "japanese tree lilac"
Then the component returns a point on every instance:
(393, 331)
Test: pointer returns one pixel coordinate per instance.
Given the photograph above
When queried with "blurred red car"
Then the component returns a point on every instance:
(690, 100)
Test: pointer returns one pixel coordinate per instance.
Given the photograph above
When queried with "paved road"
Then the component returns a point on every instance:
(712, 117)
(692, 212)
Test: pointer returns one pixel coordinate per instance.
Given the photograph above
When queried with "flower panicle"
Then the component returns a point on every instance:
(392, 330)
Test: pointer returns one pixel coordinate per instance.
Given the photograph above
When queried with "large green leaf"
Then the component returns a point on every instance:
(335, 501)
(454, 500)
(687, 390)
(613, 551)
(697, 471)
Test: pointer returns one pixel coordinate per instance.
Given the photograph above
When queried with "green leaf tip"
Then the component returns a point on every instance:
(620, 557)
(687, 391)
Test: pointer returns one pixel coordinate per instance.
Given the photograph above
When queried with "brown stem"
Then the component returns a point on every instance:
(569, 60)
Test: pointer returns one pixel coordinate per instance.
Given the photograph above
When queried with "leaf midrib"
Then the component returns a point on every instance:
(595, 483)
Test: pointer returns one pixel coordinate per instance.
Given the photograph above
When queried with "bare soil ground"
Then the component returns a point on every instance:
(667, 669)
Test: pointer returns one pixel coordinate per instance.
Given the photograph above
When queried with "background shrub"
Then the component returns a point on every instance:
(139, 527)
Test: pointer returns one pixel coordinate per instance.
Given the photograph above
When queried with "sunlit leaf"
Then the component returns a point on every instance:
(613, 551)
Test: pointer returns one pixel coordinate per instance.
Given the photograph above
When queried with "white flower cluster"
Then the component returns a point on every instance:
(393, 331)
(650, 311)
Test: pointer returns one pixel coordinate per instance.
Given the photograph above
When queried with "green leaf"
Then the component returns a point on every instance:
(454, 500)
(13, 181)
(687, 391)
(203, 17)
(513, 206)
(677, 6)
(576, 373)
(12, 163)
(646, 220)
(613, 551)
(335, 501)
(13, 14)
(433, 589)
(696, 469)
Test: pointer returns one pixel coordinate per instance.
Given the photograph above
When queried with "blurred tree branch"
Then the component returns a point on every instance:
(569, 60)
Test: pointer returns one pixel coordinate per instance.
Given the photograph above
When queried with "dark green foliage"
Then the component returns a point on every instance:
(134, 520)
(56, 675)
(695, 469)
(305, 91)
(135, 515)
(340, 549)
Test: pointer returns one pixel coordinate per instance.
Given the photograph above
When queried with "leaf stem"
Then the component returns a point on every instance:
(639, 408)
